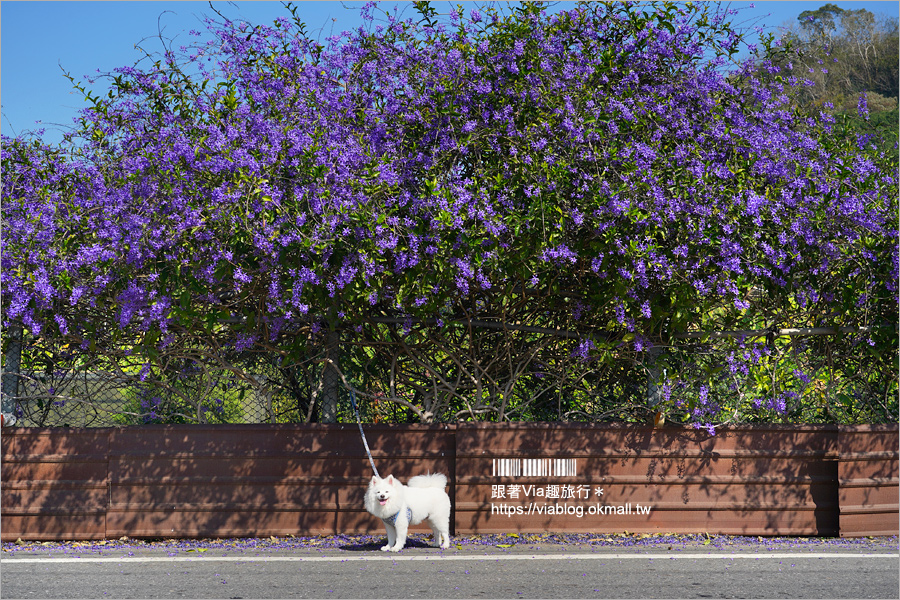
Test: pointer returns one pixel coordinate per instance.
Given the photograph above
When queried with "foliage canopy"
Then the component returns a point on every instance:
(503, 214)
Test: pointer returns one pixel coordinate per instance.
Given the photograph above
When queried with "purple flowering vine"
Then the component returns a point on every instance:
(607, 165)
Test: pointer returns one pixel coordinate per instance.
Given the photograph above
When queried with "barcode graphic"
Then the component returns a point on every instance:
(535, 467)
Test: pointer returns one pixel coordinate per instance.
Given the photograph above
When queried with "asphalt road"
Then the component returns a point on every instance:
(554, 572)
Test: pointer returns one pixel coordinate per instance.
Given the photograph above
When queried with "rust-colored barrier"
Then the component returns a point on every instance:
(751, 481)
(54, 483)
(204, 481)
(261, 480)
(867, 472)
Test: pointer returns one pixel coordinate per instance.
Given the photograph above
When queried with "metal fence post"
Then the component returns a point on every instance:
(12, 359)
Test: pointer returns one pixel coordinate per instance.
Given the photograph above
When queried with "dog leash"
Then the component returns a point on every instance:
(365, 443)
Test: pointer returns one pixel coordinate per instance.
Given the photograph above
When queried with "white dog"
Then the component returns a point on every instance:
(400, 506)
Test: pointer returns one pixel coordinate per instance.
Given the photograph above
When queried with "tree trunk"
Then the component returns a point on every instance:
(331, 380)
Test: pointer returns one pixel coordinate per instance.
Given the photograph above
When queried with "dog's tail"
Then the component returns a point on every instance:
(436, 480)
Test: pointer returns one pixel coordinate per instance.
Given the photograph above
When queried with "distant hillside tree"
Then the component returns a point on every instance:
(846, 53)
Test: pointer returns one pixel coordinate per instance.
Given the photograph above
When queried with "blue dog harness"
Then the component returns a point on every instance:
(393, 519)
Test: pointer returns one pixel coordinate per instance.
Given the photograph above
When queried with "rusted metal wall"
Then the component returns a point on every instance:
(204, 481)
(867, 472)
(54, 483)
(261, 480)
(752, 481)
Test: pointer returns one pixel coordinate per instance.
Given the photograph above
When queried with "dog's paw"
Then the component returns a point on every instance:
(385, 548)
(396, 548)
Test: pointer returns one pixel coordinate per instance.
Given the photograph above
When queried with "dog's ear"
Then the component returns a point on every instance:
(390, 479)
(374, 479)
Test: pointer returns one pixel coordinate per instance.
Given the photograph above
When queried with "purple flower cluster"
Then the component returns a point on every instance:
(533, 541)
(262, 179)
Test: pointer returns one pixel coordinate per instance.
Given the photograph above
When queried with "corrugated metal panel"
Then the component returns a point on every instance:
(869, 493)
(171, 481)
(257, 479)
(749, 480)
(54, 484)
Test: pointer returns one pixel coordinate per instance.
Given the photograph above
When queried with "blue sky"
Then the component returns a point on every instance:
(37, 38)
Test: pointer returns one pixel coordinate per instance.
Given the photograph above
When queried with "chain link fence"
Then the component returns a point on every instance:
(48, 385)
(87, 398)
(83, 398)
(59, 386)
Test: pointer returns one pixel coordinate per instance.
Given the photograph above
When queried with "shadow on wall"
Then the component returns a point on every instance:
(204, 481)
(260, 480)
(752, 481)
